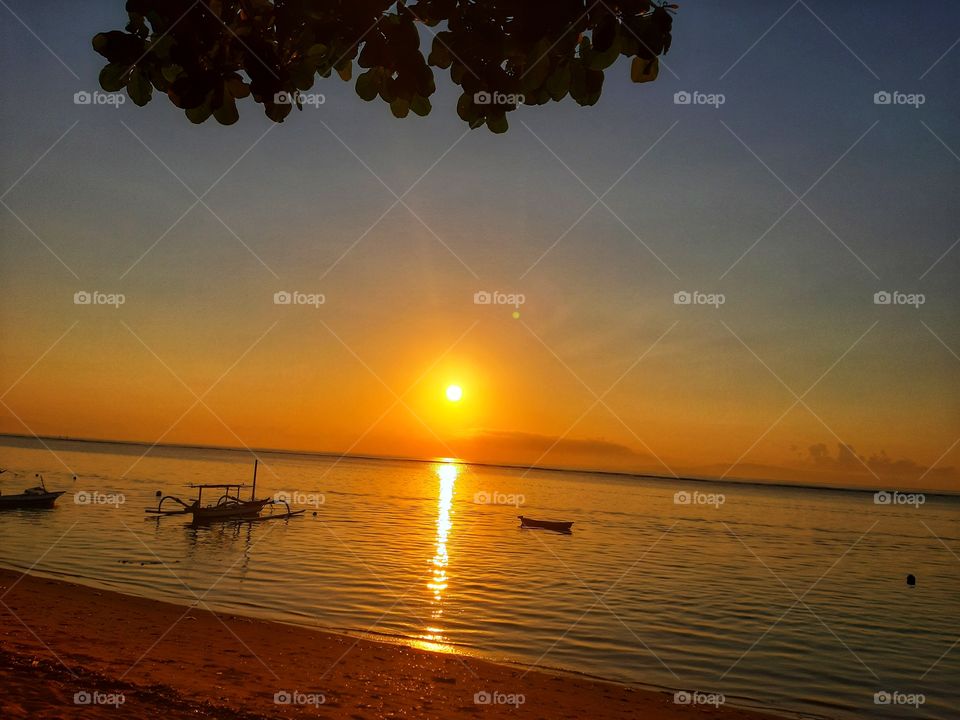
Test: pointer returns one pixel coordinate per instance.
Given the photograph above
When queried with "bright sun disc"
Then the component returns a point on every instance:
(454, 393)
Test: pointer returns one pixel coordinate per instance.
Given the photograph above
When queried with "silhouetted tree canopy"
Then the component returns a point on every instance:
(205, 55)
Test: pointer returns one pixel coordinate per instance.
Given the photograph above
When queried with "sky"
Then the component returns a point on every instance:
(781, 211)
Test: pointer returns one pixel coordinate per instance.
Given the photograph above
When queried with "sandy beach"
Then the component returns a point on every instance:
(60, 639)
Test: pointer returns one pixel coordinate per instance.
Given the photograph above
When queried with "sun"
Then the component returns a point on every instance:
(454, 393)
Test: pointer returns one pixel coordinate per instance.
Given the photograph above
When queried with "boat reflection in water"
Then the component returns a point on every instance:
(447, 472)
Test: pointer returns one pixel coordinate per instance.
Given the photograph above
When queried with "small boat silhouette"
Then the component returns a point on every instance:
(35, 497)
(556, 526)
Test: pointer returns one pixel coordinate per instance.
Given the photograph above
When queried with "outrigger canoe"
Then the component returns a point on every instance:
(556, 526)
(228, 506)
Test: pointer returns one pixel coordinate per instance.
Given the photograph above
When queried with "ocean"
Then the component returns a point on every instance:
(789, 599)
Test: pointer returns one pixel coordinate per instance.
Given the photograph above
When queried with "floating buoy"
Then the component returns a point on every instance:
(158, 493)
(911, 580)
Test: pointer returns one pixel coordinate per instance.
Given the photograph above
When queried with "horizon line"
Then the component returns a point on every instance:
(399, 458)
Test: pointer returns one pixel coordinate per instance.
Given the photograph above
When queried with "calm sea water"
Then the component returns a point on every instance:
(790, 599)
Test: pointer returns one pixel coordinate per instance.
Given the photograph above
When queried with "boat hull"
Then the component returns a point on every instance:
(230, 511)
(562, 527)
(29, 500)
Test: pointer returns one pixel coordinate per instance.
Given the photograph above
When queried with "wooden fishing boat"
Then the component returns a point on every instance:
(556, 526)
(35, 497)
(228, 506)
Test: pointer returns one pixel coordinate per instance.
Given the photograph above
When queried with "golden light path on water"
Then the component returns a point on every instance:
(446, 472)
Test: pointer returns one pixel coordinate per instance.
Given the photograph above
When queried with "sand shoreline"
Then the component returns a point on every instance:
(58, 639)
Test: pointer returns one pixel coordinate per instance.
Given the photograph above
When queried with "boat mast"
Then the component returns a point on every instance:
(253, 491)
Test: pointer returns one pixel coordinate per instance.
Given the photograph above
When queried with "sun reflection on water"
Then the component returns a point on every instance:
(447, 473)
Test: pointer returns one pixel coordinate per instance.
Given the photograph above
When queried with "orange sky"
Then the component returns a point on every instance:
(598, 216)
(301, 378)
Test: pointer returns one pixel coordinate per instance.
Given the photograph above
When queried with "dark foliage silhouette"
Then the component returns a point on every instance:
(207, 54)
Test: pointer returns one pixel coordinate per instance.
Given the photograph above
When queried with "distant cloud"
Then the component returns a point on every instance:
(886, 468)
(818, 464)
(521, 447)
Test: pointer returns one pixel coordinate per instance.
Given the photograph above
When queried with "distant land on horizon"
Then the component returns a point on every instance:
(767, 482)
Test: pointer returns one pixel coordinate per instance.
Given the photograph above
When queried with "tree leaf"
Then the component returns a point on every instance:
(171, 72)
(642, 71)
(420, 105)
(467, 111)
(558, 84)
(277, 111)
(498, 123)
(113, 77)
(199, 114)
(368, 84)
(236, 87)
(400, 107)
(227, 113)
(603, 60)
(139, 88)
(440, 54)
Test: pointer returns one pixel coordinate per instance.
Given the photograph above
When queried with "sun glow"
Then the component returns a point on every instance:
(454, 393)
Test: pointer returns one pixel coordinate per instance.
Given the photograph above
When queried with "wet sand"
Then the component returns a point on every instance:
(59, 639)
